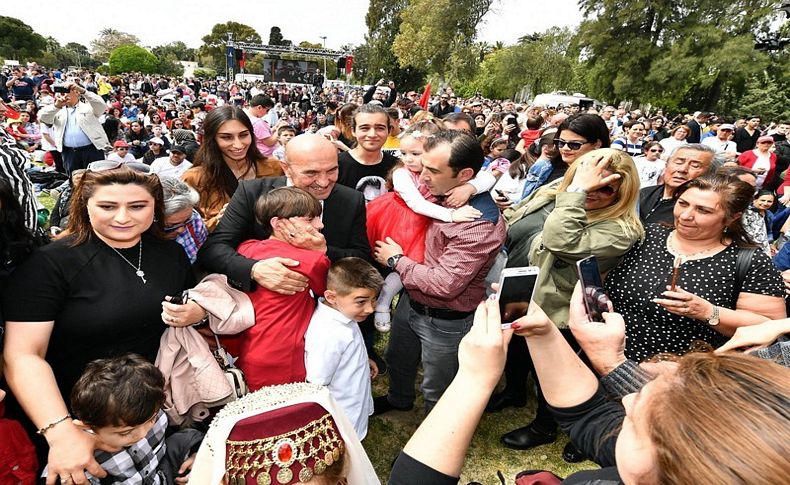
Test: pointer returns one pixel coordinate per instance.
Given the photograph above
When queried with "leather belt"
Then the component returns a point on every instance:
(77, 149)
(440, 313)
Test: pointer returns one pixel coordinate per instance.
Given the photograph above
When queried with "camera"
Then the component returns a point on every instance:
(60, 88)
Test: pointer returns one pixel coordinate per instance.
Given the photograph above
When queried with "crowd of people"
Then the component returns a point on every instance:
(202, 304)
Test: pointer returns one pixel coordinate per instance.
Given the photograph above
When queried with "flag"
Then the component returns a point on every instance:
(243, 60)
(426, 96)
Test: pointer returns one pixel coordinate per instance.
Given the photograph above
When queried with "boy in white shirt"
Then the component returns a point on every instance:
(335, 354)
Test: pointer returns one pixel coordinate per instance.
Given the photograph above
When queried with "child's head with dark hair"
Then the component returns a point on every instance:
(119, 399)
(285, 203)
(534, 122)
(352, 287)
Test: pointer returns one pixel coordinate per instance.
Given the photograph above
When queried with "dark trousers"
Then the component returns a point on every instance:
(517, 369)
(80, 157)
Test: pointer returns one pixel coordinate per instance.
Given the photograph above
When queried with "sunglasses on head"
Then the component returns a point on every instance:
(572, 145)
(104, 165)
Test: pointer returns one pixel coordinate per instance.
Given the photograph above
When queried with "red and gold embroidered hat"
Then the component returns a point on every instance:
(283, 446)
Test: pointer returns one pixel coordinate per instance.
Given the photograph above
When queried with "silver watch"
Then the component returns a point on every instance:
(713, 320)
(575, 188)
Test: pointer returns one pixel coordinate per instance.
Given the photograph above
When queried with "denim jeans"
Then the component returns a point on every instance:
(416, 338)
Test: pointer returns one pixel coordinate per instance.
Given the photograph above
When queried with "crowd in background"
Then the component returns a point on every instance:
(287, 228)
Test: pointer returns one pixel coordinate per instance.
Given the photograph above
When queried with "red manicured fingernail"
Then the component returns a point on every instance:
(515, 326)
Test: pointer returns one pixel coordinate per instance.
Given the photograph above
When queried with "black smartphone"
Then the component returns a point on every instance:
(595, 300)
(180, 299)
(516, 288)
(512, 121)
(501, 194)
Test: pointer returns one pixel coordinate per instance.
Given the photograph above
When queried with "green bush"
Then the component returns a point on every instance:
(132, 58)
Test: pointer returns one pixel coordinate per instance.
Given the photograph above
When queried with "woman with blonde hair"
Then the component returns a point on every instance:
(591, 211)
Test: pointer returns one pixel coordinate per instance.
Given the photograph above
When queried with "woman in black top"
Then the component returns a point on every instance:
(137, 138)
(95, 293)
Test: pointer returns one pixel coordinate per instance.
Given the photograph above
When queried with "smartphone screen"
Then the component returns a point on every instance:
(515, 292)
(595, 300)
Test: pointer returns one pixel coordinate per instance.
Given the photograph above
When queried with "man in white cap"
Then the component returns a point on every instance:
(173, 165)
(722, 144)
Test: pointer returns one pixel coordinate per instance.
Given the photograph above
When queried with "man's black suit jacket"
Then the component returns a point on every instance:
(344, 229)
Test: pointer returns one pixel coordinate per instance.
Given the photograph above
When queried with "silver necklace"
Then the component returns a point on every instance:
(139, 268)
(687, 257)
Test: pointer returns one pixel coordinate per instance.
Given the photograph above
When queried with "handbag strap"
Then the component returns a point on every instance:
(742, 264)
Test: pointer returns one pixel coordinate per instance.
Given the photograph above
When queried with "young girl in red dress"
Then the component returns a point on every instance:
(405, 213)
(272, 351)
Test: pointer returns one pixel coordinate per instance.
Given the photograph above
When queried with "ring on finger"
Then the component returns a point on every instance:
(292, 234)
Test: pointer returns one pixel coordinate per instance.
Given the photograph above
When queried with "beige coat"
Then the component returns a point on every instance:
(194, 380)
(87, 117)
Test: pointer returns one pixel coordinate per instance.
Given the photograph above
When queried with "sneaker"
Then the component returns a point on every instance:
(382, 321)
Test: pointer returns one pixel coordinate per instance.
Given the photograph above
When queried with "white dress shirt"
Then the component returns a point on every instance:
(335, 356)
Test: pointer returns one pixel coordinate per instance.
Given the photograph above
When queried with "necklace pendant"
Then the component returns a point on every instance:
(141, 274)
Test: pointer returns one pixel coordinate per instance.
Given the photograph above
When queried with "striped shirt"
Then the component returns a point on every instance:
(12, 169)
(458, 256)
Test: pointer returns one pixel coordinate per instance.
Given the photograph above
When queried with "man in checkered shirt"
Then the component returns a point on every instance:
(444, 290)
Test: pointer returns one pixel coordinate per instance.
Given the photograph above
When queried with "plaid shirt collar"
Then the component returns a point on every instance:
(137, 464)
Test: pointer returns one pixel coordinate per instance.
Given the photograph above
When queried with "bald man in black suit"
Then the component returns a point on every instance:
(311, 165)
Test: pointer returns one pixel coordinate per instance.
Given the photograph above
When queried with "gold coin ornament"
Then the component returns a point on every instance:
(306, 474)
(263, 478)
(284, 475)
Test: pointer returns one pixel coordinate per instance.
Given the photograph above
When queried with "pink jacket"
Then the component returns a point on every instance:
(194, 381)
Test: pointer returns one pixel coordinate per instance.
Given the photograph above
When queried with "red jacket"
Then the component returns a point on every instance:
(747, 159)
(18, 463)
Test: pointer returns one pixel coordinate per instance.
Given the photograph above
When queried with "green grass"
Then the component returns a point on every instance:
(388, 433)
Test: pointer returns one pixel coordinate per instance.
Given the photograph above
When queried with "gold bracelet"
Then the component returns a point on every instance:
(52, 424)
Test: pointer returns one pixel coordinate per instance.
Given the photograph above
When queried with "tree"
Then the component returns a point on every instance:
(432, 30)
(276, 37)
(19, 41)
(78, 54)
(213, 48)
(375, 59)
(109, 39)
(310, 45)
(132, 58)
(176, 51)
(690, 54)
(547, 64)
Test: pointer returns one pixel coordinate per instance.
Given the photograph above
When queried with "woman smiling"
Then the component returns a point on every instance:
(228, 155)
(94, 293)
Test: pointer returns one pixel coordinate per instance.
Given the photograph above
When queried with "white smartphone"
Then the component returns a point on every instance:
(516, 288)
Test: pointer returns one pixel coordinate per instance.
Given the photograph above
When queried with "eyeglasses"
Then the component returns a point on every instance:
(180, 225)
(606, 190)
(656, 150)
(572, 145)
(105, 165)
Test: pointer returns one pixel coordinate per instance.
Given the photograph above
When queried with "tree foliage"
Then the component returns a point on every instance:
(108, 40)
(432, 31)
(212, 51)
(177, 51)
(132, 58)
(19, 41)
(375, 58)
(276, 37)
(550, 63)
(680, 54)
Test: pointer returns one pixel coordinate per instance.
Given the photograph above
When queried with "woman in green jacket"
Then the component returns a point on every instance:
(591, 211)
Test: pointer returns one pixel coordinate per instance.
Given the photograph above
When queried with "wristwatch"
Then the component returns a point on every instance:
(575, 188)
(392, 261)
(713, 320)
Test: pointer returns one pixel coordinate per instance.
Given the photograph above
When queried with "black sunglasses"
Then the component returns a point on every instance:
(606, 190)
(572, 145)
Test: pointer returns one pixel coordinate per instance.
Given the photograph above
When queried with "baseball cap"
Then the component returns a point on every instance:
(120, 144)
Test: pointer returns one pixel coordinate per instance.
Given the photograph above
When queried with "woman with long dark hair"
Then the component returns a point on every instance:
(227, 156)
(137, 138)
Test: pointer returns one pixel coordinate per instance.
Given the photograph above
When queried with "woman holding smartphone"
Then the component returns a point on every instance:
(590, 212)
